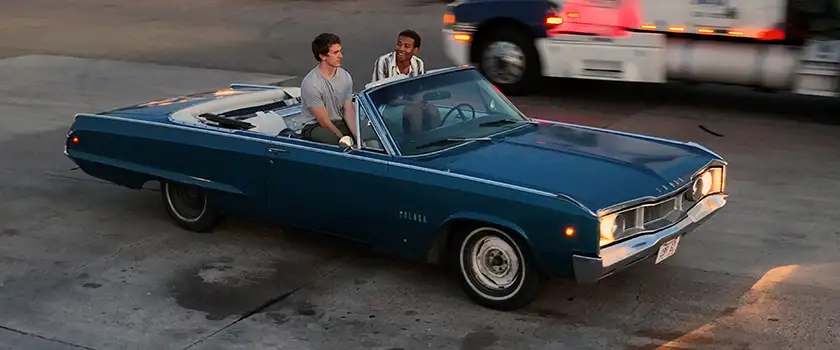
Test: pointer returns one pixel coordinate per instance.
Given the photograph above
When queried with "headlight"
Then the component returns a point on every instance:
(615, 226)
(608, 228)
(710, 181)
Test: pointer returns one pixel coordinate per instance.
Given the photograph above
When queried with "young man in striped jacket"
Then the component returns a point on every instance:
(401, 61)
(417, 115)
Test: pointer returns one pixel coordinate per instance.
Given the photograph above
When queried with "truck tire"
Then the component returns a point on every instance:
(508, 58)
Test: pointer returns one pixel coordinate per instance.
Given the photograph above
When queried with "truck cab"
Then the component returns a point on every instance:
(764, 44)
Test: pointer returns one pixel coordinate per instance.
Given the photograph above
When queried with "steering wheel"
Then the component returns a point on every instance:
(461, 114)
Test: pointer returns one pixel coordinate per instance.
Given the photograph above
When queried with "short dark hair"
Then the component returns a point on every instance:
(322, 43)
(408, 33)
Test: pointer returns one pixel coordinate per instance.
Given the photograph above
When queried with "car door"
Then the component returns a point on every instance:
(324, 188)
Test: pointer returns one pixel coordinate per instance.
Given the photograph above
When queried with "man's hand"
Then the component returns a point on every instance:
(323, 117)
(346, 141)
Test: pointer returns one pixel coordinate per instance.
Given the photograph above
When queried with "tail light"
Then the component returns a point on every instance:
(773, 34)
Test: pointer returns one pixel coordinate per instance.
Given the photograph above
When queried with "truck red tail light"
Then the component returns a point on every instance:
(772, 34)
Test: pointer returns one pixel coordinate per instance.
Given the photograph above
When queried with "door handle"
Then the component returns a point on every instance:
(277, 150)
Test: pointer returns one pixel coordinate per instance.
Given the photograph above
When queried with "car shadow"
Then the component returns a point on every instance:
(674, 304)
(666, 305)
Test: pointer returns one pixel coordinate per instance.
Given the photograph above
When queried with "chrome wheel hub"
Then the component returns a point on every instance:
(494, 263)
(503, 62)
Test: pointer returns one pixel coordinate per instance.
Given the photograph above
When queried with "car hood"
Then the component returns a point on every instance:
(595, 167)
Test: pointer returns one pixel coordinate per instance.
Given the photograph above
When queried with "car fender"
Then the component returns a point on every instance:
(485, 218)
(148, 173)
(109, 152)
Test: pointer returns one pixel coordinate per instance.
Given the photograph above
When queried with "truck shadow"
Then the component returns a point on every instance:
(615, 96)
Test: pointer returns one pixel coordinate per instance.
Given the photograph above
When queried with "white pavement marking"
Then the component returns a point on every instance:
(43, 92)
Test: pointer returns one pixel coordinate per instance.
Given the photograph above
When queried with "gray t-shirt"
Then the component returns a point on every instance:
(316, 90)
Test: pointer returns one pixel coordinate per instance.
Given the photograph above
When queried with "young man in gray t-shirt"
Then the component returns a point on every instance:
(327, 94)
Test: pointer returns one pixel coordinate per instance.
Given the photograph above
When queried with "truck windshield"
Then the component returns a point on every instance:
(437, 111)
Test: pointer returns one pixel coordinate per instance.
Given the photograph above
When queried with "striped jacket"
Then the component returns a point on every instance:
(386, 66)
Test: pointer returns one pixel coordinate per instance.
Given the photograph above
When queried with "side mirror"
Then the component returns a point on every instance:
(346, 143)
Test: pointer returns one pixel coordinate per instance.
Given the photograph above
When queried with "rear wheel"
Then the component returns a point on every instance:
(495, 269)
(188, 206)
(508, 58)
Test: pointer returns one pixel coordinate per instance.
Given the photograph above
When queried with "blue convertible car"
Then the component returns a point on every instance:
(443, 169)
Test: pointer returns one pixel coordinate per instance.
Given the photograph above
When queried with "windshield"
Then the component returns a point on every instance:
(443, 110)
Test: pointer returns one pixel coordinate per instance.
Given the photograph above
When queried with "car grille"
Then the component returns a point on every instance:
(659, 211)
(653, 216)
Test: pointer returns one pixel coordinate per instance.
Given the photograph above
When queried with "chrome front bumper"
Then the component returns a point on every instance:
(620, 256)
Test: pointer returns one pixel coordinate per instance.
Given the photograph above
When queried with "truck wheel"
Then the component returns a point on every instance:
(494, 269)
(509, 59)
(188, 206)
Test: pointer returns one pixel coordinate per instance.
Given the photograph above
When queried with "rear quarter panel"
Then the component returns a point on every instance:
(130, 152)
(540, 220)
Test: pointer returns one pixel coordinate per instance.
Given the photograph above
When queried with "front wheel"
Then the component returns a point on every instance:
(495, 270)
(188, 206)
(508, 58)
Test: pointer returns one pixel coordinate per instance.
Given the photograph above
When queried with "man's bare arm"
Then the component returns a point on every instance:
(350, 117)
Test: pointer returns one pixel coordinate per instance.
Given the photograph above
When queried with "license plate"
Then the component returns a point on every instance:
(667, 249)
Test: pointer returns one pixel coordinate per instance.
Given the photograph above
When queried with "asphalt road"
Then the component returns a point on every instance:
(84, 264)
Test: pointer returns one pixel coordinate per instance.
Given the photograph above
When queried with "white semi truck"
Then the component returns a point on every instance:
(772, 45)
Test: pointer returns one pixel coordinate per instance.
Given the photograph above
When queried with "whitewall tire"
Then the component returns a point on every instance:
(495, 269)
(188, 206)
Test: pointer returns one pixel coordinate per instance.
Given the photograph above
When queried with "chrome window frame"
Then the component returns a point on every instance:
(364, 97)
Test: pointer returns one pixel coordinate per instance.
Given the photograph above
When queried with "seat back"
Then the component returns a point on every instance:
(420, 117)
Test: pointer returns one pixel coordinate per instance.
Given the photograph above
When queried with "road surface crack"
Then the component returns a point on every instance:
(266, 305)
(638, 298)
(28, 334)
(710, 131)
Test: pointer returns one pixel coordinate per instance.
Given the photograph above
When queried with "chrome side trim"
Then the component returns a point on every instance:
(336, 150)
(625, 254)
(256, 86)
